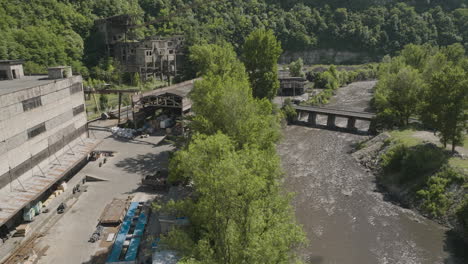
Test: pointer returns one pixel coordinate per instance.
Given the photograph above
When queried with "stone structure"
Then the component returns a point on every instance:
(292, 86)
(331, 114)
(11, 69)
(41, 118)
(152, 57)
(60, 72)
(327, 56)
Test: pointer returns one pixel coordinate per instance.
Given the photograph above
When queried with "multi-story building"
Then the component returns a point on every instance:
(42, 123)
(151, 57)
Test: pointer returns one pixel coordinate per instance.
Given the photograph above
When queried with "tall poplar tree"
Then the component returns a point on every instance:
(260, 55)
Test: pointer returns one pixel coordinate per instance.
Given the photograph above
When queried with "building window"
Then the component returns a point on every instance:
(37, 130)
(78, 110)
(32, 103)
(76, 88)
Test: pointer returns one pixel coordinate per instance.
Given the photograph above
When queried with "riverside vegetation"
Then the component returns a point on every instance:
(429, 84)
(238, 210)
(51, 32)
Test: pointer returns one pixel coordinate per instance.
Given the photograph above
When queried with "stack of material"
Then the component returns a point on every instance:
(62, 186)
(114, 212)
(28, 214)
(21, 230)
(123, 132)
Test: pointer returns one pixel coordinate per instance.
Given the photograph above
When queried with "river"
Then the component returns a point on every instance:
(346, 219)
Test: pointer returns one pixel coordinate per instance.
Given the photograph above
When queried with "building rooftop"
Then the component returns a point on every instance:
(26, 82)
(11, 62)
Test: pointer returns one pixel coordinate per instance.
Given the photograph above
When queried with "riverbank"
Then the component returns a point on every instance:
(414, 170)
(338, 203)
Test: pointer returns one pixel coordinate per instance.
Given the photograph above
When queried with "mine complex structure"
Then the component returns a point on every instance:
(154, 56)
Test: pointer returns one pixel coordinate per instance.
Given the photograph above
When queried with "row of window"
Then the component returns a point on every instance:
(41, 128)
(36, 102)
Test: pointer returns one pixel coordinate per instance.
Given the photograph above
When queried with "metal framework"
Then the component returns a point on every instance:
(167, 100)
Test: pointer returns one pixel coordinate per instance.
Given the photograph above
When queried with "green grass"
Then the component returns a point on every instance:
(459, 163)
(405, 136)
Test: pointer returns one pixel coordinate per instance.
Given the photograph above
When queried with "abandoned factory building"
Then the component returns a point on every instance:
(43, 135)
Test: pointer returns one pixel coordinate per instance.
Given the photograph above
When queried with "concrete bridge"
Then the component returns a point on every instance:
(332, 114)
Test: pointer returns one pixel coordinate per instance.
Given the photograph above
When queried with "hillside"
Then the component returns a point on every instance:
(51, 32)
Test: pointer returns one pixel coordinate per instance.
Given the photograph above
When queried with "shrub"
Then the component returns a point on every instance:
(392, 159)
(436, 198)
(289, 111)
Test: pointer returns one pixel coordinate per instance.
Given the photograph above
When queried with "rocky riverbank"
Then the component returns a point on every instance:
(370, 152)
(346, 217)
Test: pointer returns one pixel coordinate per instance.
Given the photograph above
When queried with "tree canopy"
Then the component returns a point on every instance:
(260, 54)
(51, 32)
(427, 82)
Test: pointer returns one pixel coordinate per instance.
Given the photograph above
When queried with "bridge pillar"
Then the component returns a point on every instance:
(351, 123)
(299, 115)
(331, 121)
(372, 128)
(312, 119)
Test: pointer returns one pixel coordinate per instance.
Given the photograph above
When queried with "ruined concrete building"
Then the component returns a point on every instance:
(152, 57)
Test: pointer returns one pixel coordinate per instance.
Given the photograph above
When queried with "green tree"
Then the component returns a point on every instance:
(398, 92)
(227, 105)
(295, 68)
(240, 214)
(446, 104)
(260, 54)
(103, 102)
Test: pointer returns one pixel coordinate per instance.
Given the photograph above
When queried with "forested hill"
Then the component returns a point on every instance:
(50, 32)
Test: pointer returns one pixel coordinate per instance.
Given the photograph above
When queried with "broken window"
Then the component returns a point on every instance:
(78, 110)
(32, 103)
(36, 130)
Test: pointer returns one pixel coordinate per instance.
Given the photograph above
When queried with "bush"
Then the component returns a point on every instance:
(392, 159)
(462, 215)
(436, 198)
(413, 163)
(289, 111)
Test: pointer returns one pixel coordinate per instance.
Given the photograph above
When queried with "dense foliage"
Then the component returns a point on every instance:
(426, 82)
(260, 55)
(332, 79)
(238, 212)
(51, 32)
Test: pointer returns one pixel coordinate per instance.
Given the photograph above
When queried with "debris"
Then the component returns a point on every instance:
(127, 133)
(97, 234)
(22, 230)
(61, 208)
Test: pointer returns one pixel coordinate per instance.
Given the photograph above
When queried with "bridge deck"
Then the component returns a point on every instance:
(336, 112)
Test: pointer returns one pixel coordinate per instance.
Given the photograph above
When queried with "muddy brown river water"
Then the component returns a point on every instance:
(346, 219)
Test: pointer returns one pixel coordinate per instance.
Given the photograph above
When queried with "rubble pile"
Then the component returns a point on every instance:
(127, 133)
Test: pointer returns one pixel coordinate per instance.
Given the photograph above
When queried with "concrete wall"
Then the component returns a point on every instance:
(326, 56)
(56, 112)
